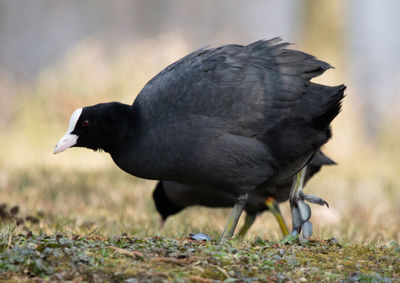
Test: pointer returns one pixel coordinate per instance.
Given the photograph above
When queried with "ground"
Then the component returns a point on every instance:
(101, 225)
(125, 258)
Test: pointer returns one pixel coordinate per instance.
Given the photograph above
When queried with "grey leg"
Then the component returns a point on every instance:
(249, 220)
(301, 212)
(230, 226)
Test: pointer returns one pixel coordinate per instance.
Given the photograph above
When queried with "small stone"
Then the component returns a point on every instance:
(200, 237)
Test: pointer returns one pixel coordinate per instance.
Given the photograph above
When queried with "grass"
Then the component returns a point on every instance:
(96, 223)
(125, 258)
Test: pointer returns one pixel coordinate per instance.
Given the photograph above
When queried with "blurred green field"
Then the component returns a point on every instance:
(82, 192)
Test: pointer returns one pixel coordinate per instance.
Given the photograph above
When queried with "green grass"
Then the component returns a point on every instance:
(125, 258)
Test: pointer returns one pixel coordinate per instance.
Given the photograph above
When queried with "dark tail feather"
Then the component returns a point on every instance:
(330, 107)
(320, 159)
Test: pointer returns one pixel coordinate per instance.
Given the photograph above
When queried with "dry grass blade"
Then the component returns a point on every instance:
(132, 254)
(77, 280)
(187, 260)
(223, 271)
(95, 237)
(200, 279)
(9, 241)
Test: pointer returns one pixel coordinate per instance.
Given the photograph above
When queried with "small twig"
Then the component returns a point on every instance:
(200, 279)
(175, 260)
(11, 231)
(161, 274)
(223, 271)
(133, 254)
(9, 241)
(90, 233)
(77, 279)
(95, 237)
(59, 227)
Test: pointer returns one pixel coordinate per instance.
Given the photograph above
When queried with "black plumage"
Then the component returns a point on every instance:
(170, 197)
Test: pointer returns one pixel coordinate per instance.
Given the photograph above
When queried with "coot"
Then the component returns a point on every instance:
(231, 119)
(170, 197)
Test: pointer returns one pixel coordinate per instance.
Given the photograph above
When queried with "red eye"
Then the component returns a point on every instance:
(85, 123)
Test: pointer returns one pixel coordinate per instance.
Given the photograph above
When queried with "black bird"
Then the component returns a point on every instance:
(170, 198)
(231, 119)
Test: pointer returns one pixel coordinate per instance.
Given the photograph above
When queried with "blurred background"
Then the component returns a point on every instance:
(56, 56)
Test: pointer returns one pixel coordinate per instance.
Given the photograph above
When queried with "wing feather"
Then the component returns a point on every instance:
(248, 88)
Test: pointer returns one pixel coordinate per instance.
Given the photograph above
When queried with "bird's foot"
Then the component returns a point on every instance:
(314, 199)
(301, 213)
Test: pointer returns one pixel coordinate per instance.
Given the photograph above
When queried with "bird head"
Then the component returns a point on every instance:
(96, 127)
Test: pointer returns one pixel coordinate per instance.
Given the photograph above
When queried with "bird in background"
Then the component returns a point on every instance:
(232, 119)
(170, 198)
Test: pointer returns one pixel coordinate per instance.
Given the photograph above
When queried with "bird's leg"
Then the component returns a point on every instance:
(301, 212)
(249, 220)
(274, 208)
(230, 226)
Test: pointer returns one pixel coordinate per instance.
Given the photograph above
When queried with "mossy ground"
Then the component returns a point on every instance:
(124, 258)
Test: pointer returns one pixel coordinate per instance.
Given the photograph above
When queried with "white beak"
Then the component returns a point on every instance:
(65, 142)
(69, 139)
